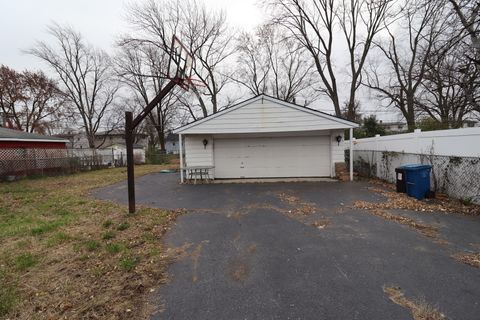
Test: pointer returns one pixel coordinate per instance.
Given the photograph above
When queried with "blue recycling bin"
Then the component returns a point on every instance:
(417, 177)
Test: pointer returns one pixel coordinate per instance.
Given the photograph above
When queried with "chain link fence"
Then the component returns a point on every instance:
(458, 177)
(21, 162)
(159, 157)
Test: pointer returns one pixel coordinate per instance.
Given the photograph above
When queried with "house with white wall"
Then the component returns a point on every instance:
(171, 143)
(264, 137)
(393, 126)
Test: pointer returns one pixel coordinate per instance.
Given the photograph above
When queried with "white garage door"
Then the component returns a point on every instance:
(277, 157)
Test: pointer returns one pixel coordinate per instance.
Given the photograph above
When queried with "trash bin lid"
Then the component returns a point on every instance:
(412, 167)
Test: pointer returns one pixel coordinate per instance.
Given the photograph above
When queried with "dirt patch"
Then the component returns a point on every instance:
(321, 224)
(179, 252)
(239, 270)
(403, 201)
(266, 206)
(235, 215)
(420, 310)
(195, 256)
(252, 248)
(472, 259)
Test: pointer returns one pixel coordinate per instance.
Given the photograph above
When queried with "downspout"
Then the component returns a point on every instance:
(351, 154)
(180, 147)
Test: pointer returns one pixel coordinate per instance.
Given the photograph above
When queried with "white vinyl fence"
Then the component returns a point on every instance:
(454, 155)
(114, 156)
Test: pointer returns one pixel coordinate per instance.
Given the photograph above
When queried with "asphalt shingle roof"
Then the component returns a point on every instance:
(12, 135)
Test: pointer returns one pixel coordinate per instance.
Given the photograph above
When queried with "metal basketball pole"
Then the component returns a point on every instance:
(130, 125)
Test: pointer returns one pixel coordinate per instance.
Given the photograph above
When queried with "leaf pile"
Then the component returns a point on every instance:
(424, 229)
(300, 208)
(472, 259)
(420, 310)
(403, 201)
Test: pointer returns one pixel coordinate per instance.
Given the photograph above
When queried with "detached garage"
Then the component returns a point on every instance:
(264, 137)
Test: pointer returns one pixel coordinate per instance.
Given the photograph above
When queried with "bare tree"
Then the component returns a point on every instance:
(313, 24)
(451, 90)
(29, 100)
(253, 62)
(469, 14)
(142, 67)
(86, 76)
(204, 32)
(406, 65)
(270, 63)
(11, 94)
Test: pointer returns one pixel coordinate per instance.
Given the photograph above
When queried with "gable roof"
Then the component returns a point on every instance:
(17, 135)
(254, 115)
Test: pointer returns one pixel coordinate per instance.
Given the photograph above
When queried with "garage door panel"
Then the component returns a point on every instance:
(272, 157)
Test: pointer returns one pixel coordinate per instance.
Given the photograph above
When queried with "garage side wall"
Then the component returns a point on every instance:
(336, 150)
(196, 154)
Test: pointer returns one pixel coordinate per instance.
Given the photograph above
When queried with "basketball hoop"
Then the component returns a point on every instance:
(190, 82)
(180, 68)
(181, 64)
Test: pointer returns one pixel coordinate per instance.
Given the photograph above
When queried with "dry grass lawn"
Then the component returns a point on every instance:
(65, 255)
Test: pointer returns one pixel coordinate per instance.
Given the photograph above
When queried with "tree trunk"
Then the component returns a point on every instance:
(336, 104)
(410, 122)
(161, 137)
(91, 140)
(410, 116)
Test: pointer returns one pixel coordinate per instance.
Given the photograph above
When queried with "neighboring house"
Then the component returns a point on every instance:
(22, 153)
(264, 137)
(10, 138)
(75, 139)
(119, 152)
(396, 126)
(470, 124)
(171, 143)
(103, 139)
(117, 137)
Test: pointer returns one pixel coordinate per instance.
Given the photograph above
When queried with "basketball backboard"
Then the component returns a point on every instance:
(181, 64)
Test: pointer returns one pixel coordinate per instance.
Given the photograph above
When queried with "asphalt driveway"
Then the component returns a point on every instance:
(300, 251)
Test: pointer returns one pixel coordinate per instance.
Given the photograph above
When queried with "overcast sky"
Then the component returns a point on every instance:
(23, 22)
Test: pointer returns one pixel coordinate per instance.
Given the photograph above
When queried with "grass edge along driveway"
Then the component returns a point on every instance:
(66, 255)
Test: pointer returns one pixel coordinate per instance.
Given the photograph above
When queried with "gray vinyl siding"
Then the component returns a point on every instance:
(265, 116)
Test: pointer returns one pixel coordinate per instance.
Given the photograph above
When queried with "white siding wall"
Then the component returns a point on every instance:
(265, 116)
(195, 153)
(338, 153)
(336, 150)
